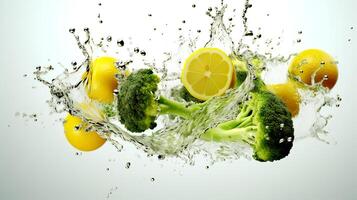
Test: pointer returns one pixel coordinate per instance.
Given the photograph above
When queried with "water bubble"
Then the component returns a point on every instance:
(127, 165)
(152, 179)
(109, 38)
(76, 128)
(143, 53)
(281, 126)
(136, 50)
(281, 140)
(120, 43)
(249, 33)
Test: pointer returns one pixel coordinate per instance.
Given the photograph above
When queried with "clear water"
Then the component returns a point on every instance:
(175, 137)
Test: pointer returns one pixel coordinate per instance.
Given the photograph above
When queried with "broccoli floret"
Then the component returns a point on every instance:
(139, 106)
(263, 122)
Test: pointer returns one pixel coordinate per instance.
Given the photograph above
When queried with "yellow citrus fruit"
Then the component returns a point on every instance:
(207, 72)
(101, 79)
(315, 61)
(288, 93)
(78, 137)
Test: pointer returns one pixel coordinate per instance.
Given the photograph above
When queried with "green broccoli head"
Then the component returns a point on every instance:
(275, 131)
(242, 75)
(263, 122)
(137, 104)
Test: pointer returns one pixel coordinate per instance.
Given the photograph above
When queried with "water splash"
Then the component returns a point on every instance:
(173, 137)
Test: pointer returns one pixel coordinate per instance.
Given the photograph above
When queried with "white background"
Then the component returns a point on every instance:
(36, 162)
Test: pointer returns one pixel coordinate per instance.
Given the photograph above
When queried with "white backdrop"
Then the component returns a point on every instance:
(36, 162)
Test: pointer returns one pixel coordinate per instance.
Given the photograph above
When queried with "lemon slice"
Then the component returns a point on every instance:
(207, 72)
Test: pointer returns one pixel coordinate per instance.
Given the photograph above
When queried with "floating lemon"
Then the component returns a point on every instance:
(288, 93)
(78, 137)
(101, 79)
(207, 72)
(314, 64)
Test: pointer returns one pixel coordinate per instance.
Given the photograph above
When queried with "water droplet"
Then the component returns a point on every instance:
(281, 140)
(290, 139)
(300, 32)
(74, 63)
(161, 157)
(230, 19)
(207, 167)
(127, 165)
(325, 77)
(249, 33)
(107, 168)
(209, 9)
(143, 53)
(198, 31)
(150, 15)
(267, 127)
(193, 5)
(298, 40)
(72, 30)
(301, 71)
(281, 126)
(351, 27)
(152, 179)
(136, 50)
(120, 43)
(101, 21)
(99, 4)
(109, 38)
(183, 21)
(349, 40)
(322, 62)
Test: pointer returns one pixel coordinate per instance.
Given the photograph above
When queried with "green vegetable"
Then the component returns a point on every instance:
(263, 122)
(138, 105)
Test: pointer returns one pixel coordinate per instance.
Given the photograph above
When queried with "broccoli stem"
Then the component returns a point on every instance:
(245, 134)
(242, 128)
(171, 107)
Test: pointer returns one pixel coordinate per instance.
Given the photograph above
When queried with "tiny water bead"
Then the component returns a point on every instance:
(127, 165)
(109, 38)
(120, 43)
(193, 5)
(152, 179)
(136, 50)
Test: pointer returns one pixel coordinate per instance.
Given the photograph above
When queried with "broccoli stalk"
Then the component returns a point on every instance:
(264, 123)
(172, 107)
(138, 105)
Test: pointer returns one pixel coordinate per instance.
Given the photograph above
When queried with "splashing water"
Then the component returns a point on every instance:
(173, 137)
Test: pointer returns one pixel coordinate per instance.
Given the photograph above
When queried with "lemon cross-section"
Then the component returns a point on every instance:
(207, 72)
